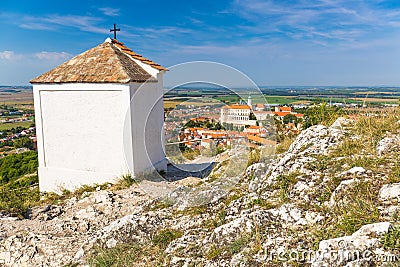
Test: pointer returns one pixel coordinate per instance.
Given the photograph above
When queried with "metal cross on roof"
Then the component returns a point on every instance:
(115, 30)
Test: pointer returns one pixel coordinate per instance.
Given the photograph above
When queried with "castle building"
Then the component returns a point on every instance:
(237, 115)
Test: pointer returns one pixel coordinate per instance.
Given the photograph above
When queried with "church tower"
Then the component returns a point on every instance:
(250, 101)
(99, 116)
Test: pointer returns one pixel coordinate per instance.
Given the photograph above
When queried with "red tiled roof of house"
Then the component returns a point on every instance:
(281, 114)
(298, 115)
(109, 62)
(289, 109)
(237, 106)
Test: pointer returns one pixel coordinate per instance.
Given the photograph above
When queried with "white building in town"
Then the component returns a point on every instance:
(99, 116)
(237, 115)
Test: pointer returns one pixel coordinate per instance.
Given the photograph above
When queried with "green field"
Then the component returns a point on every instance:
(8, 126)
(282, 100)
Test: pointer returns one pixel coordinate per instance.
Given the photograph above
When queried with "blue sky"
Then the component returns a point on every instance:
(276, 42)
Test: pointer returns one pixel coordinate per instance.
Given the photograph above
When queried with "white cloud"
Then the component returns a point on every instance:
(44, 55)
(340, 20)
(109, 11)
(54, 22)
(6, 54)
(9, 55)
(35, 26)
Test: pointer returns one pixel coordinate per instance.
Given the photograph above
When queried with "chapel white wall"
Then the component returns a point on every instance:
(147, 114)
(80, 134)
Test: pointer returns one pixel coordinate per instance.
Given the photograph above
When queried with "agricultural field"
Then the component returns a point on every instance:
(20, 98)
(8, 126)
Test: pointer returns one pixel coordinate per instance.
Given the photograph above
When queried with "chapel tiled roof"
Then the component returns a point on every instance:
(137, 56)
(109, 62)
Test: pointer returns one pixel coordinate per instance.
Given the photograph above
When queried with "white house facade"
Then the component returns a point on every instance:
(99, 116)
(237, 115)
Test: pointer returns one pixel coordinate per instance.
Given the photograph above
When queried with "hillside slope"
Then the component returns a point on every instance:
(332, 199)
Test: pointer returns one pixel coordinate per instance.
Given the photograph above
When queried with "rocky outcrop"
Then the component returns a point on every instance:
(361, 248)
(387, 145)
(390, 192)
(271, 211)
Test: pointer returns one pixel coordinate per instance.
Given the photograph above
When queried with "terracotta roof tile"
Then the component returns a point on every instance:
(281, 114)
(239, 107)
(135, 55)
(109, 62)
(285, 109)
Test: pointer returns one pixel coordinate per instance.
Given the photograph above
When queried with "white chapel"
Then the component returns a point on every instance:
(99, 116)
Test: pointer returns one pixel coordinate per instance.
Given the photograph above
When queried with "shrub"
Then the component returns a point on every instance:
(15, 165)
(285, 184)
(166, 236)
(391, 240)
(238, 244)
(17, 197)
(321, 114)
(254, 157)
(213, 252)
(119, 256)
(23, 142)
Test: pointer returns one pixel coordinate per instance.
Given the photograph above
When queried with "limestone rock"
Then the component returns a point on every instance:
(390, 192)
(340, 123)
(387, 145)
(339, 194)
(352, 250)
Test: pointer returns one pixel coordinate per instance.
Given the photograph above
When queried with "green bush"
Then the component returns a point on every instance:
(16, 165)
(119, 256)
(285, 184)
(321, 114)
(166, 236)
(213, 252)
(391, 240)
(238, 244)
(23, 142)
(17, 197)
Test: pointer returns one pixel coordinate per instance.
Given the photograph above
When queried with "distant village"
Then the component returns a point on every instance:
(193, 126)
(19, 133)
(202, 127)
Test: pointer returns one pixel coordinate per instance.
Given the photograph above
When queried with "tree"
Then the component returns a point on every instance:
(252, 116)
(16, 165)
(290, 118)
(23, 142)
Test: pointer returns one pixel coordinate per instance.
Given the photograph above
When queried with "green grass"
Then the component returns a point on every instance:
(120, 256)
(394, 175)
(150, 252)
(213, 252)
(9, 126)
(17, 197)
(238, 244)
(281, 100)
(357, 209)
(358, 205)
(391, 240)
(285, 184)
(16, 165)
(124, 182)
(254, 156)
(166, 236)
(262, 203)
